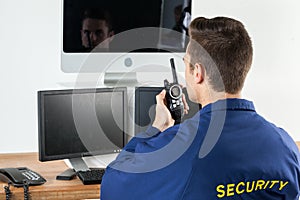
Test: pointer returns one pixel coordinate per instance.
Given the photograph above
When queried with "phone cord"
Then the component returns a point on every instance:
(7, 191)
(26, 190)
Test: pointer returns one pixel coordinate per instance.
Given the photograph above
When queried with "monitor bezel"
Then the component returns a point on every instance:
(41, 121)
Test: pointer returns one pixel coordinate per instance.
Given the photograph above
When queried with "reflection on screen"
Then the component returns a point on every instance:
(91, 25)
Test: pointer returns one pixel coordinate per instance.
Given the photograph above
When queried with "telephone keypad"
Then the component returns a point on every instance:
(30, 175)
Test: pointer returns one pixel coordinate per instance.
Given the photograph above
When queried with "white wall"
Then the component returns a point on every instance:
(30, 61)
(273, 83)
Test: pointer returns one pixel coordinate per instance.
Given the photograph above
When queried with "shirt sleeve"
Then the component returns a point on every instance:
(141, 137)
(118, 183)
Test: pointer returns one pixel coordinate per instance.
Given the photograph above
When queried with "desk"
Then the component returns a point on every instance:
(52, 189)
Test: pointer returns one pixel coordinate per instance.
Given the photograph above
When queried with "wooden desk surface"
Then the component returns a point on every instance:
(52, 189)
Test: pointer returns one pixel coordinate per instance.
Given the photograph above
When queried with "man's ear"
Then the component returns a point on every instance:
(199, 73)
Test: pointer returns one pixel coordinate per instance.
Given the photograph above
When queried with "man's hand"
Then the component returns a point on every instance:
(163, 118)
(185, 104)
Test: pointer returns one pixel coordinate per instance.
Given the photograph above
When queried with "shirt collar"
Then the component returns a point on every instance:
(228, 104)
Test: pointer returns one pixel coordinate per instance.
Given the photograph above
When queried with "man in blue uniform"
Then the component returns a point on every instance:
(226, 151)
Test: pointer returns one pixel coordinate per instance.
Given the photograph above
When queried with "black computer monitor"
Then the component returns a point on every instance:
(81, 122)
(145, 107)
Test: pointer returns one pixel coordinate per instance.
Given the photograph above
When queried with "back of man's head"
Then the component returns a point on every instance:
(224, 48)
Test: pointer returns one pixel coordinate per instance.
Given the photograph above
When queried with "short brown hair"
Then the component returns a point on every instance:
(98, 13)
(227, 44)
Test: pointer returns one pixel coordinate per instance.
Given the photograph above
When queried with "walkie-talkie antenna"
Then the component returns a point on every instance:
(175, 80)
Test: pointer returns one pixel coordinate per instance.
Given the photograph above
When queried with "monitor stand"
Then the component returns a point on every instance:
(79, 164)
(120, 79)
(82, 164)
(75, 165)
(85, 163)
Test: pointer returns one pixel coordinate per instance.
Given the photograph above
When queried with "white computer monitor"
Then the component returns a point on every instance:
(145, 36)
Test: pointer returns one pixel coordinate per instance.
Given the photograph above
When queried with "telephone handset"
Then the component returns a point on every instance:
(20, 176)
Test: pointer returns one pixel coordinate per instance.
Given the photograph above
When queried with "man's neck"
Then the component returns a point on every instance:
(233, 96)
(219, 96)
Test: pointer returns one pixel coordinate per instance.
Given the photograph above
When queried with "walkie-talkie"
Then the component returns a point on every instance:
(174, 96)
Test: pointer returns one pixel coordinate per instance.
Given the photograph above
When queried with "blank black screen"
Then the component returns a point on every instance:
(75, 123)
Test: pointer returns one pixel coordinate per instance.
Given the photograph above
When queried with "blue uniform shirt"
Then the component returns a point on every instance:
(226, 151)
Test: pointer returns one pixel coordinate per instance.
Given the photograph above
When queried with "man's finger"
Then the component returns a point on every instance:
(160, 97)
(185, 104)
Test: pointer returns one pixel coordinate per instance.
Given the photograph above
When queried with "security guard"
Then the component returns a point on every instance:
(226, 151)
